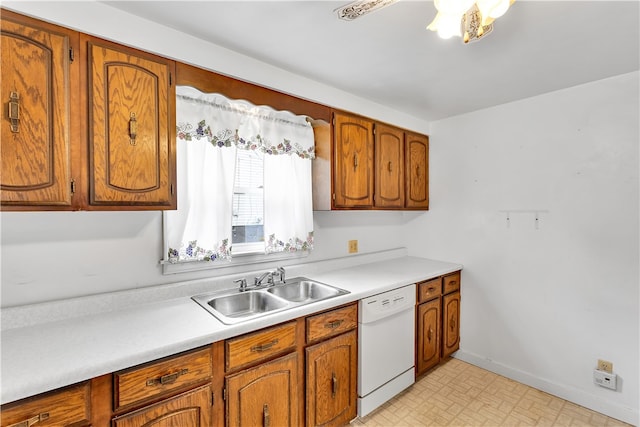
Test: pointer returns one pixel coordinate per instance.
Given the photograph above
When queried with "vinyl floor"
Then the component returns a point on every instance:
(456, 393)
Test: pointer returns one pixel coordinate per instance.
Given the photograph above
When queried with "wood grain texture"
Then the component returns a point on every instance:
(417, 171)
(65, 407)
(142, 383)
(429, 289)
(190, 409)
(258, 346)
(450, 323)
(331, 323)
(451, 283)
(332, 380)
(125, 84)
(428, 335)
(36, 160)
(389, 167)
(210, 82)
(265, 395)
(353, 161)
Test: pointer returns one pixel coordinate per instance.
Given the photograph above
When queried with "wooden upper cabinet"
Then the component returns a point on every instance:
(131, 127)
(353, 161)
(389, 167)
(38, 100)
(417, 171)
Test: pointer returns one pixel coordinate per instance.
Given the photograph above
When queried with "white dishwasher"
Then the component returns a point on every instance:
(386, 343)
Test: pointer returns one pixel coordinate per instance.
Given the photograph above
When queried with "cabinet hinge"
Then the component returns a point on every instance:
(171, 189)
(73, 186)
(334, 196)
(72, 55)
(213, 398)
(224, 394)
(170, 79)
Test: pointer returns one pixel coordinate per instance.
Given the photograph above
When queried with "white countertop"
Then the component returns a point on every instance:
(46, 356)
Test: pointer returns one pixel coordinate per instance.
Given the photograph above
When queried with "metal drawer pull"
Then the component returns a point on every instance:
(133, 128)
(14, 112)
(452, 283)
(263, 347)
(266, 420)
(334, 324)
(334, 385)
(167, 379)
(31, 421)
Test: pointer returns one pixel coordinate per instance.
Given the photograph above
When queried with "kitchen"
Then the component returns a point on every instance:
(547, 234)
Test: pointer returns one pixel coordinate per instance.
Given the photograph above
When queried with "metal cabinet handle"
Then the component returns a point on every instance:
(266, 419)
(133, 128)
(166, 379)
(31, 421)
(263, 347)
(355, 160)
(14, 111)
(334, 324)
(334, 385)
(429, 334)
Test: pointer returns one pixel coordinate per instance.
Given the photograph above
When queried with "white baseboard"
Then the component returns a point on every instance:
(571, 394)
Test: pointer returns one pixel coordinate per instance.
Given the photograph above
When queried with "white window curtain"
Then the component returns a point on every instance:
(287, 142)
(210, 128)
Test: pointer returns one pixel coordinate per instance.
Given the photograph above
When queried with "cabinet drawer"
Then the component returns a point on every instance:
(248, 349)
(332, 323)
(451, 283)
(161, 377)
(59, 408)
(429, 289)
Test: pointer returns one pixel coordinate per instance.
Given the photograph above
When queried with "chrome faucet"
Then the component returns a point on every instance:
(279, 273)
(257, 281)
(243, 284)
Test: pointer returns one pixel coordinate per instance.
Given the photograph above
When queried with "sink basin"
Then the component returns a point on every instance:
(241, 306)
(304, 291)
(232, 306)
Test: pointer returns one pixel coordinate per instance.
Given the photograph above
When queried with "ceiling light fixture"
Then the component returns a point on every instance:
(469, 19)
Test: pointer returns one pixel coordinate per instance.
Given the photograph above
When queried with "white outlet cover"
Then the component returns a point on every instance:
(604, 379)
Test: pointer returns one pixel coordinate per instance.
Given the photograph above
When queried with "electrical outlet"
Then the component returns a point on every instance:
(353, 246)
(605, 366)
(605, 379)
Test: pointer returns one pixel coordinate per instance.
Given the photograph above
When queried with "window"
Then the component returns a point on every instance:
(244, 181)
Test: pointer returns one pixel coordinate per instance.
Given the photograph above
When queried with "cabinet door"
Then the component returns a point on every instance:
(428, 336)
(389, 167)
(191, 409)
(450, 323)
(131, 131)
(265, 395)
(331, 381)
(38, 103)
(353, 162)
(417, 171)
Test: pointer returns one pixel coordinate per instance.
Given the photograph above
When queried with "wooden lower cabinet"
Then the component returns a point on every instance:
(437, 320)
(450, 323)
(331, 381)
(190, 409)
(266, 395)
(66, 407)
(428, 335)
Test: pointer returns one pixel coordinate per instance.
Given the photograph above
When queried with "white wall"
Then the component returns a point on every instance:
(542, 305)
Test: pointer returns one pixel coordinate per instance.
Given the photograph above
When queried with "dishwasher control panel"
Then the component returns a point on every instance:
(387, 303)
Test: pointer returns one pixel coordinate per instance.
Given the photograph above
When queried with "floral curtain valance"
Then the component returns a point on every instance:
(210, 130)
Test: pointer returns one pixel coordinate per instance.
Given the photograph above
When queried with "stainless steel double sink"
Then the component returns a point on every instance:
(235, 306)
